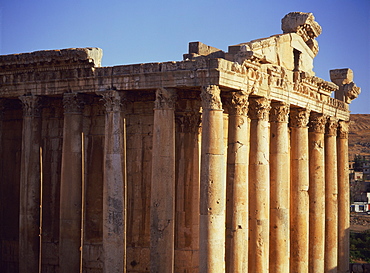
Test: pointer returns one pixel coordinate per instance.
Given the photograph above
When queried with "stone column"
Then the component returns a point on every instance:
(259, 186)
(299, 181)
(316, 192)
(162, 208)
(212, 184)
(71, 185)
(279, 192)
(237, 185)
(331, 200)
(114, 187)
(343, 198)
(29, 209)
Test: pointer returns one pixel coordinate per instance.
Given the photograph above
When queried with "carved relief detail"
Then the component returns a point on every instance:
(113, 100)
(332, 127)
(279, 112)
(343, 129)
(165, 98)
(189, 122)
(238, 103)
(259, 108)
(72, 103)
(299, 117)
(31, 105)
(317, 123)
(351, 92)
(211, 98)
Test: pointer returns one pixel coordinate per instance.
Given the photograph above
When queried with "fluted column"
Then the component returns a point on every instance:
(237, 185)
(331, 197)
(343, 198)
(29, 209)
(114, 188)
(162, 208)
(71, 185)
(279, 192)
(259, 186)
(299, 182)
(212, 184)
(316, 192)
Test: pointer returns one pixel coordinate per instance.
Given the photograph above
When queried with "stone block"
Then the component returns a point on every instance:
(341, 76)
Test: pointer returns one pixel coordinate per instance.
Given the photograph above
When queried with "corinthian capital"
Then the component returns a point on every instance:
(259, 108)
(31, 105)
(113, 100)
(332, 127)
(238, 103)
(317, 123)
(299, 117)
(279, 112)
(72, 103)
(211, 97)
(343, 129)
(165, 98)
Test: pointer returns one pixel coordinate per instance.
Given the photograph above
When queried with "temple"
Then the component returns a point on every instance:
(230, 161)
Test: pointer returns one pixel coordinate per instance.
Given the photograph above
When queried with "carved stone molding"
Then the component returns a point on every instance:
(299, 117)
(279, 112)
(72, 103)
(113, 100)
(31, 105)
(331, 127)
(211, 98)
(317, 123)
(343, 129)
(238, 103)
(165, 98)
(259, 108)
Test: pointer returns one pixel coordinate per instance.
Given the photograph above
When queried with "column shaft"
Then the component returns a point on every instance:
(237, 185)
(299, 181)
(316, 193)
(343, 198)
(259, 186)
(114, 188)
(212, 184)
(331, 200)
(162, 209)
(29, 214)
(71, 186)
(279, 192)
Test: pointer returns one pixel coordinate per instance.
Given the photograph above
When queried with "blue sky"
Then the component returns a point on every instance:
(140, 31)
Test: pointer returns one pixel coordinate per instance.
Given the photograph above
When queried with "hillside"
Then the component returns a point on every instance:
(359, 135)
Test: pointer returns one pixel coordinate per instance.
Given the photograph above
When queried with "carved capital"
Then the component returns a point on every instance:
(259, 108)
(238, 103)
(31, 105)
(279, 112)
(299, 117)
(189, 122)
(211, 97)
(331, 127)
(72, 103)
(165, 98)
(343, 129)
(113, 100)
(317, 123)
(351, 92)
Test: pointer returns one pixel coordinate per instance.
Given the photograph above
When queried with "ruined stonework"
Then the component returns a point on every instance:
(224, 162)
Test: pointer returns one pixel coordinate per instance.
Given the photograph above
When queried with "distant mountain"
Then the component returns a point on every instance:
(359, 135)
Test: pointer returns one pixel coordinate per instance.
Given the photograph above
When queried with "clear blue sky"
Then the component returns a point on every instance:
(138, 31)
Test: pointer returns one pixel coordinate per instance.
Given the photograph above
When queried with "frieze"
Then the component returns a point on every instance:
(259, 108)
(31, 105)
(210, 96)
(317, 123)
(279, 112)
(165, 98)
(299, 117)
